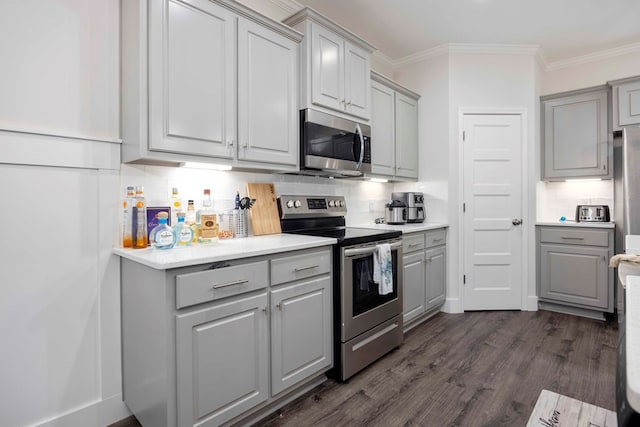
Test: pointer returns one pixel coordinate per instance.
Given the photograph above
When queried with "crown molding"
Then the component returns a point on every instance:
(288, 6)
(469, 48)
(381, 57)
(594, 57)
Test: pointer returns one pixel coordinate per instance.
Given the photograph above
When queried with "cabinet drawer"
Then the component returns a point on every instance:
(286, 269)
(435, 238)
(412, 242)
(575, 236)
(203, 286)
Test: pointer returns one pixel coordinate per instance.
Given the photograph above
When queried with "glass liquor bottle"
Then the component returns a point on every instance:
(183, 232)
(139, 220)
(190, 220)
(127, 218)
(207, 221)
(176, 205)
(162, 236)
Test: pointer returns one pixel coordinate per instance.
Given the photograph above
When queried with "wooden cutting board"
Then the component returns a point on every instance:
(264, 213)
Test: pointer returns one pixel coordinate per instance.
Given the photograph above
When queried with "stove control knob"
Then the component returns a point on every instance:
(290, 204)
(297, 203)
(331, 203)
(341, 203)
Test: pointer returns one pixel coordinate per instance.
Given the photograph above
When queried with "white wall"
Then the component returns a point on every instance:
(571, 75)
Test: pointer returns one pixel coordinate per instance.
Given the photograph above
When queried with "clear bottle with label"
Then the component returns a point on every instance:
(183, 232)
(139, 229)
(162, 236)
(127, 218)
(190, 220)
(207, 221)
(176, 205)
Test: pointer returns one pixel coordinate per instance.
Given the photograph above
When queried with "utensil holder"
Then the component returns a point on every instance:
(239, 222)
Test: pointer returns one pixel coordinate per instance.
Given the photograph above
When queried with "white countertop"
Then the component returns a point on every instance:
(632, 327)
(223, 250)
(579, 224)
(405, 228)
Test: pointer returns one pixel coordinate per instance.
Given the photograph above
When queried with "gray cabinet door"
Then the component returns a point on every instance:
(301, 331)
(436, 276)
(383, 132)
(414, 294)
(267, 95)
(222, 360)
(357, 88)
(406, 114)
(576, 136)
(192, 78)
(327, 68)
(628, 95)
(574, 274)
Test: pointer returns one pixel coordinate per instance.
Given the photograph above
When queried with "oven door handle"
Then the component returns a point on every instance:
(368, 250)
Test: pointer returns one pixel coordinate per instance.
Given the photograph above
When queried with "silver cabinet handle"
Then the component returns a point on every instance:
(437, 240)
(279, 306)
(411, 245)
(309, 267)
(572, 238)
(516, 221)
(224, 285)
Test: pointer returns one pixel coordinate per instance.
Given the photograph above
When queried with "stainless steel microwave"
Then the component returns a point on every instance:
(333, 146)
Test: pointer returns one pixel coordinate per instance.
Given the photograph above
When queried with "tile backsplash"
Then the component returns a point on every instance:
(557, 199)
(365, 199)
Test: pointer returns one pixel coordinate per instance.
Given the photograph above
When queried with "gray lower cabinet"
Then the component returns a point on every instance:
(424, 274)
(575, 135)
(573, 271)
(222, 360)
(225, 342)
(301, 325)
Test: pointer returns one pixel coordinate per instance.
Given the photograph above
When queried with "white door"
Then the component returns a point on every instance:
(492, 236)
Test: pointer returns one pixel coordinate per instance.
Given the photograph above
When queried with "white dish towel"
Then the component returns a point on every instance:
(383, 269)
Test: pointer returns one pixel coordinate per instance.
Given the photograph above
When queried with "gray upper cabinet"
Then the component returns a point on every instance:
(575, 132)
(394, 129)
(626, 102)
(335, 66)
(208, 81)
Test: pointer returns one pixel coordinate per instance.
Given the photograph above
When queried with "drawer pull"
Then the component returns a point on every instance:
(438, 240)
(309, 267)
(411, 245)
(224, 285)
(572, 238)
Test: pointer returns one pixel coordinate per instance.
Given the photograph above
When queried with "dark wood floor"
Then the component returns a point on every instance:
(471, 369)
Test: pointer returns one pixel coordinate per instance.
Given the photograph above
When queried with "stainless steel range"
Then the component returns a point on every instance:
(367, 322)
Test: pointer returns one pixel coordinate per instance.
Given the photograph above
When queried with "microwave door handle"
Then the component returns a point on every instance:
(359, 133)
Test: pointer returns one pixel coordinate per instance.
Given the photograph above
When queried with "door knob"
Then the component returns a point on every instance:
(516, 221)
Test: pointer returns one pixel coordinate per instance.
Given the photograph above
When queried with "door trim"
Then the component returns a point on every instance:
(529, 299)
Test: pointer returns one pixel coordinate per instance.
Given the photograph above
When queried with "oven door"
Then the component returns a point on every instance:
(362, 306)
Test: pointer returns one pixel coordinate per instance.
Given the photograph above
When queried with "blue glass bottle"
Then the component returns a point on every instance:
(183, 232)
(162, 236)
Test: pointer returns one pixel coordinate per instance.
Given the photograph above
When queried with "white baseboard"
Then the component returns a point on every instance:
(97, 414)
(531, 303)
(452, 305)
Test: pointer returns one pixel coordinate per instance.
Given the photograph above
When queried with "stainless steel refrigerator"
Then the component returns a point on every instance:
(626, 174)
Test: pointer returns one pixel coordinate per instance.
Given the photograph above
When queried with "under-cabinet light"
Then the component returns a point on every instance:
(583, 179)
(383, 180)
(210, 166)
